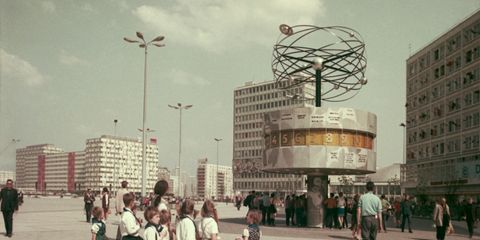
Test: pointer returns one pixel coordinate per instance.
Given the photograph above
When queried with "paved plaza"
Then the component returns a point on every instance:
(55, 218)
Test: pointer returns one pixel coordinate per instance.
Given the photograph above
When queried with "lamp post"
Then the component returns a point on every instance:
(180, 107)
(14, 141)
(403, 168)
(218, 186)
(115, 121)
(143, 44)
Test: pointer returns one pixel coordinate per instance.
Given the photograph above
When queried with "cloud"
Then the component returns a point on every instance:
(70, 60)
(218, 25)
(17, 69)
(184, 78)
(48, 6)
(88, 7)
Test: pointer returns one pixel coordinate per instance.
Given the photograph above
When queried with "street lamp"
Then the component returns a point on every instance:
(143, 44)
(218, 186)
(180, 107)
(403, 168)
(115, 121)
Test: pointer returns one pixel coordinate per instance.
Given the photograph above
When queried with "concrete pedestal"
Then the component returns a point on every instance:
(317, 189)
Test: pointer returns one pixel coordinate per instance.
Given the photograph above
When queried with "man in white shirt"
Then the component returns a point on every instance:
(119, 205)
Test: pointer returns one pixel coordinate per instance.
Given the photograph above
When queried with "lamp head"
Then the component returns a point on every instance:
(140, 35)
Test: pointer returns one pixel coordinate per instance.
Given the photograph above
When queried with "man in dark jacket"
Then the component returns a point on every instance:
(89, 199)
(470, 216)
(406, 209)
(9, 198)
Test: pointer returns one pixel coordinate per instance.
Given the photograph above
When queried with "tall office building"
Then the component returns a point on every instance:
(214, 181)
(251, 102)
(110, 160)
(443, 114)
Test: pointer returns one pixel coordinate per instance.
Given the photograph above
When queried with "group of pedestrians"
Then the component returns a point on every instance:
(188, 224)
(336, 210)
(266, 203)
(296, 210)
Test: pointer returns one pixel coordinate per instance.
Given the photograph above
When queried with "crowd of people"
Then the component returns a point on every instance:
(188, 223)
(368, 214)
(365, 214)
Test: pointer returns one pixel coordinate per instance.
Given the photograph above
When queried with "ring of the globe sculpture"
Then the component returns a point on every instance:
(342, 53)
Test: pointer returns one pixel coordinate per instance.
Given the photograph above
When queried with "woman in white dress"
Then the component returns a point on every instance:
(208, 225)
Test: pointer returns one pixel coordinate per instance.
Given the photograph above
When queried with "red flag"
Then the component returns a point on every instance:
(153, 141)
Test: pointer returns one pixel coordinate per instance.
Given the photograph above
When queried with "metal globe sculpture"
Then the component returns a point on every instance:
(332, 57)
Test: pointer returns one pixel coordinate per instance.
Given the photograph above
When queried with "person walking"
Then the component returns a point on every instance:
(288, 210)
(119, 205)
(9, 205)
(238, 201)
(406, 209)
(105, 203)
(88, 199)
(385, 207)
(369, 210)
(441, 218)
(355, 229)
(265, 207)
(470, 216)
(341, 203)
(398, 212)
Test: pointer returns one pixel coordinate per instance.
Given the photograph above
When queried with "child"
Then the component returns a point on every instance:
(152, 229)
(165, 219)
(130, 224)
(252, 232)
(98, 224)
(208, 226)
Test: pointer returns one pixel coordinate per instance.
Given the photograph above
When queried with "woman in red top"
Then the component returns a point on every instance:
(398, 212)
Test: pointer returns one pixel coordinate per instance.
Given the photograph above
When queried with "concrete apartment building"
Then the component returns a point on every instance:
(106, 162)
(251, 102)
(443, 114)
(29, 161)
(110, 160)
(214, 181)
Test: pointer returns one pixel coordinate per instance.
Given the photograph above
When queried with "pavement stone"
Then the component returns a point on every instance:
(64, 218)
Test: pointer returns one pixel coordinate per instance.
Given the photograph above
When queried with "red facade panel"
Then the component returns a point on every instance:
(71, 172)
(41, 174)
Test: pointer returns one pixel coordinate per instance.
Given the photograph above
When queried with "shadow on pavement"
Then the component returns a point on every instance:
(339, 237)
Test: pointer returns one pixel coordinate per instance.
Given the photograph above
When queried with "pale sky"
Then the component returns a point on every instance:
(66, 73)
